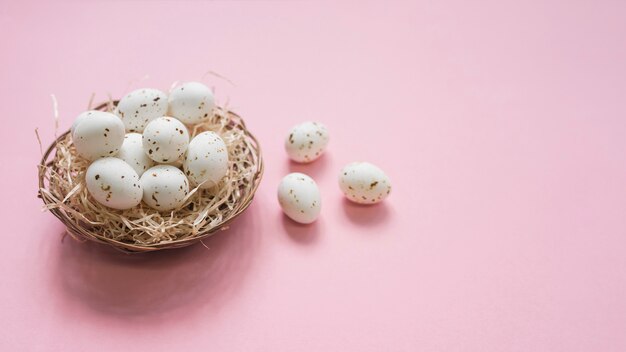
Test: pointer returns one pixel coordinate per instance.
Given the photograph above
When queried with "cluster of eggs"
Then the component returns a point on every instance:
(137, 151)
(299, 195)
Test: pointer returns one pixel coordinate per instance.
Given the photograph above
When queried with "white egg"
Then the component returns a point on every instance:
(206, 161)
(364, 183)
(98, 134)
(164, 187)
(141, 106)
(191, 103)
(133, 154)
(112, 182)
(165, 139)
(299, 198)
(306, 142)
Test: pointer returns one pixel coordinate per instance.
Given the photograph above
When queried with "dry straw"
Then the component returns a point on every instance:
(141, 229)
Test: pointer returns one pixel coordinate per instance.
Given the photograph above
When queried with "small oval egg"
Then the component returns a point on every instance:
(165, 139)
(98, 134)
(141, 106)
(164, 187)
(206, 161)
(191, 103)
(132, 153)
(306, 142)
(364, 183)
(299, 198)
(113, 183)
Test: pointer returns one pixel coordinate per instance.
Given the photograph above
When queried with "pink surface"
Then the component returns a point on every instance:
(501, 124)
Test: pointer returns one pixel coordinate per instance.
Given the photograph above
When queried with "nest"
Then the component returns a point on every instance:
(140, 229)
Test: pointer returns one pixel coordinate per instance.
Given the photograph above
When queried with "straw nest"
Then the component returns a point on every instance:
(141, 229)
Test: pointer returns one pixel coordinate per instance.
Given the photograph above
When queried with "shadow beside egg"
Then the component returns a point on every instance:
(366, 214)
(304, 234)
(314, 169)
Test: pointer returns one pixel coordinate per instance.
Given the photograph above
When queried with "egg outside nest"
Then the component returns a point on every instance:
(141, 229)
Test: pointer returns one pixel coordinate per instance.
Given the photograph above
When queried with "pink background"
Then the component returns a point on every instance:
(501, 124)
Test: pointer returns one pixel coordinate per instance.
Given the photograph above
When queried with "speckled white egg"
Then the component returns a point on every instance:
(164, 187)
(165, 139)
(206, 161)
(113, 183)
(133, 154)
(191, 103)
(98, 134)
(299, 198)
(141, 106)
(364, 183)
(306, 142)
